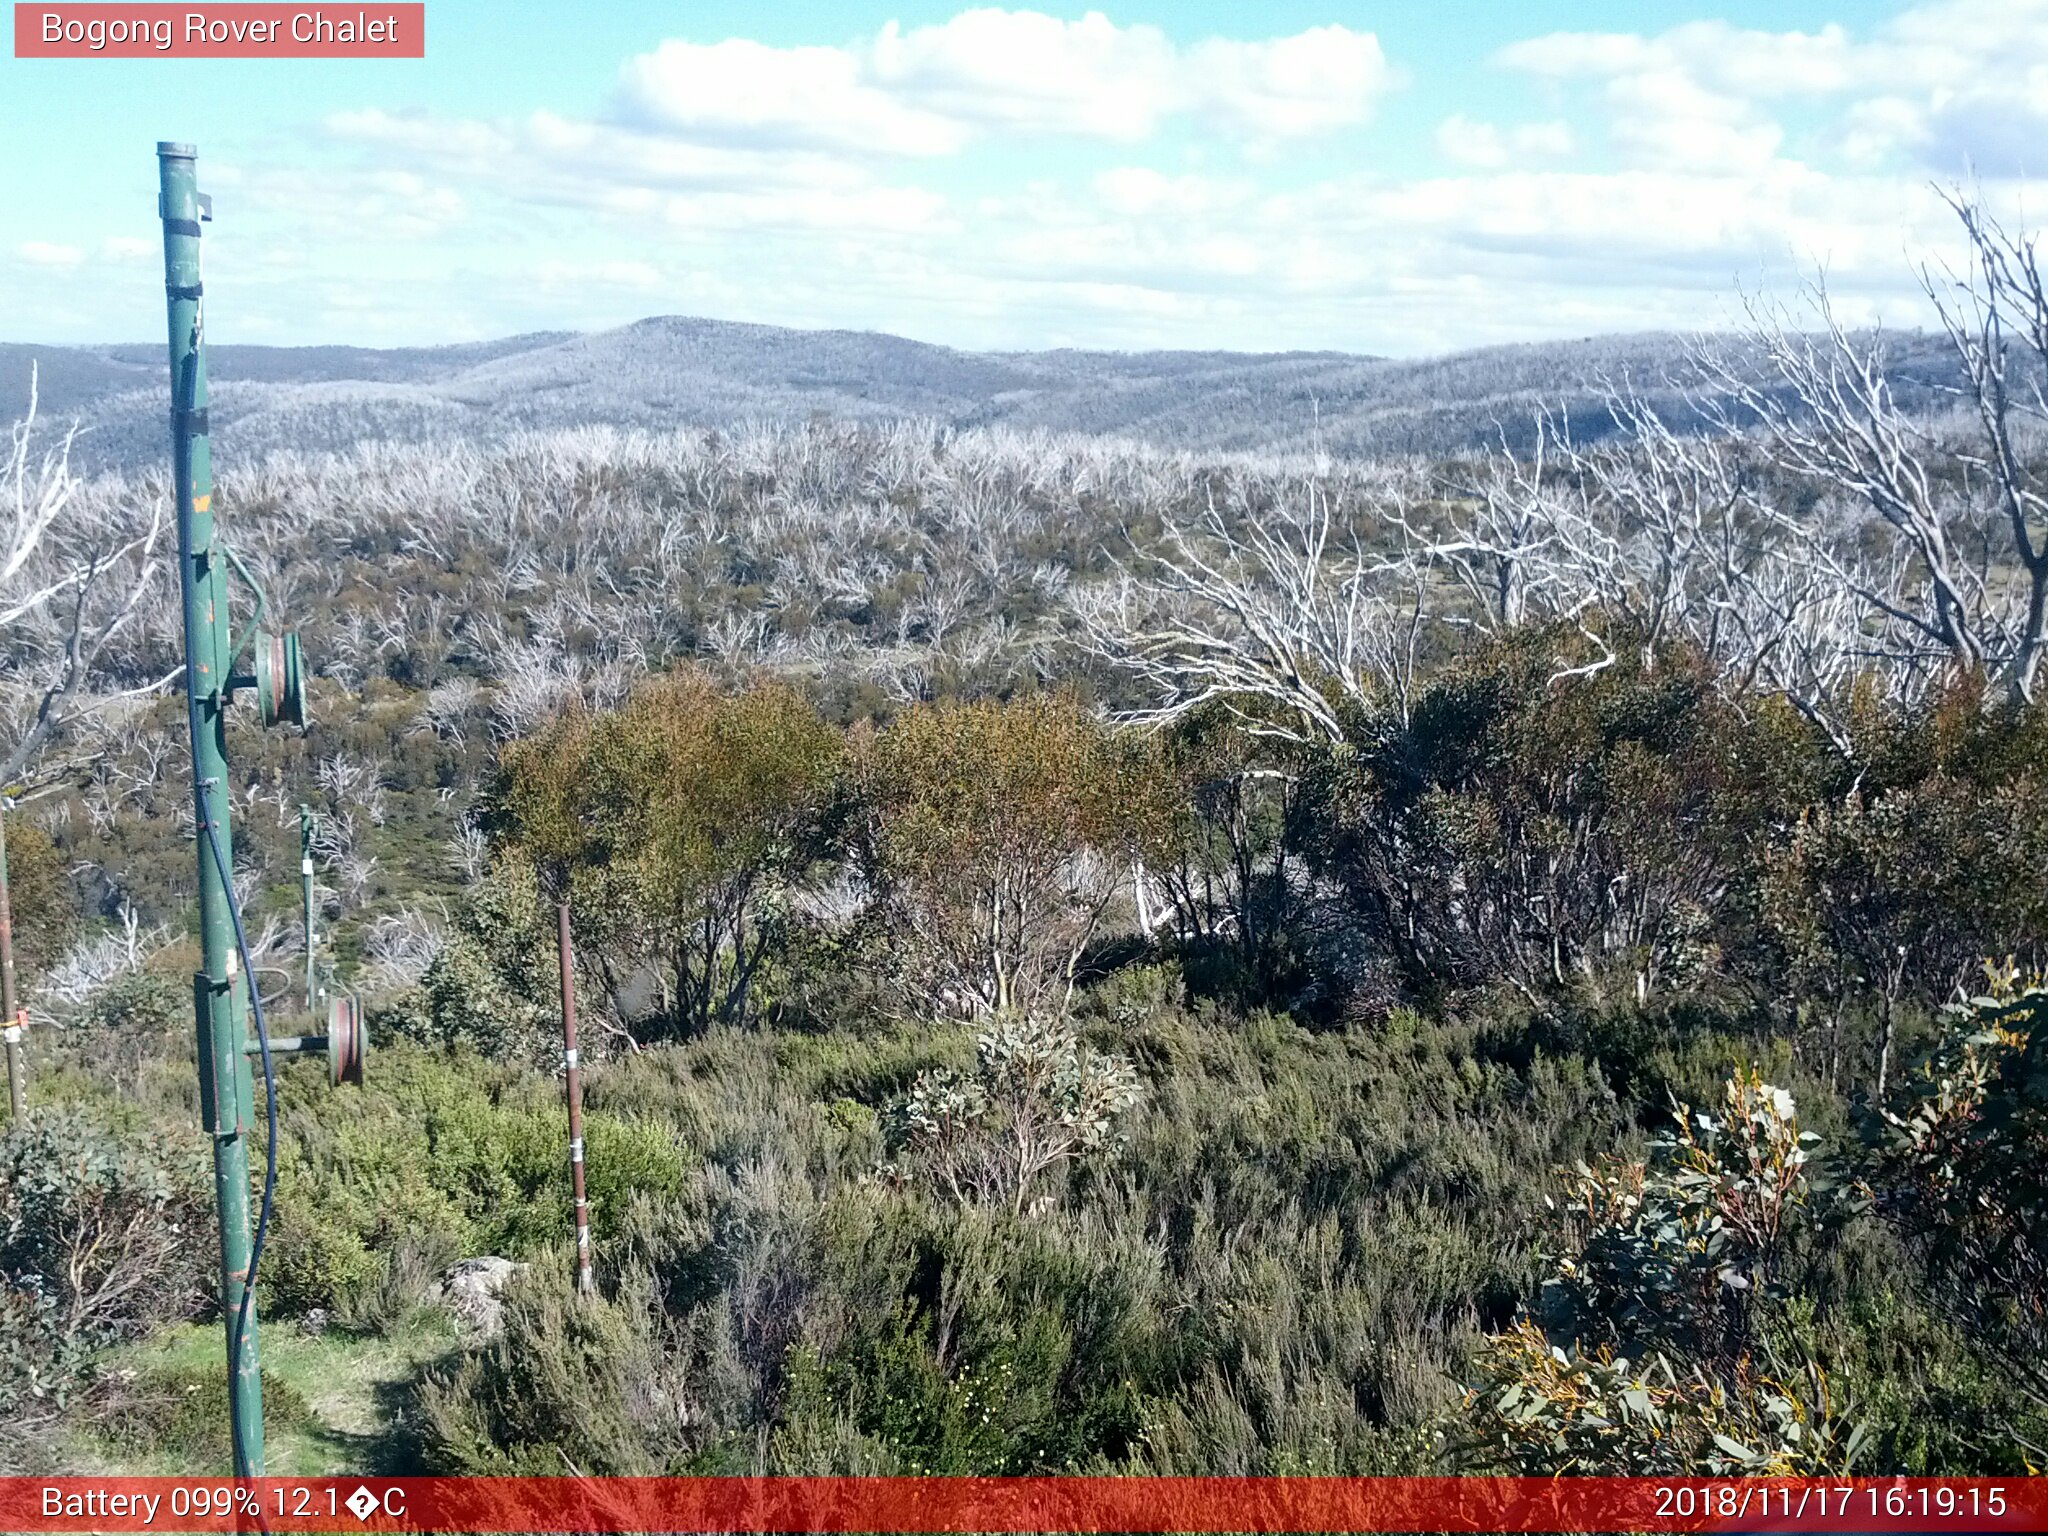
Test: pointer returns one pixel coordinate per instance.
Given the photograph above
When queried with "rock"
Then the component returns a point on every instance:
(469, 1290)
(314, 1323)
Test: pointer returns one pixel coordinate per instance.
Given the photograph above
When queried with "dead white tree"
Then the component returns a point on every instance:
(1508, 535)
(74, 573)
(1681, 536)
(1281, 619)
(1996, 315)
(1652, 535)
(1936, 528)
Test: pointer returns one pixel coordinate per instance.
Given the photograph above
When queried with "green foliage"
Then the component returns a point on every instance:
(102, 1237)
(1358, 1003)
(1962, 1163)
(183, 1413)
(1655, 1348)
(1223, 856)
(41, 899)
(1559, 831)
(1885, 895)
(1008, 1348)
(141, 1003)
(682, 828)
(494, 986)
(1679, 1252)
(1038, 1099)
(1543, 1410)
(994, 836)
(573, 1384)
(442, 1155)
(1264, 1281)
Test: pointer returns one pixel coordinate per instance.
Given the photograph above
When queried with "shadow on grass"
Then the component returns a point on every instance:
(393, 1447)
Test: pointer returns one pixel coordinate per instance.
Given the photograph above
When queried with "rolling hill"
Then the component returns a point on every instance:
(674, 370)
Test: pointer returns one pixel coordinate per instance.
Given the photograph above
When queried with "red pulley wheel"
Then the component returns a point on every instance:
(347, 1042)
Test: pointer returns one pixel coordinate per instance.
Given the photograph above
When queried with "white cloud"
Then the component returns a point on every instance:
(127, 250)
(638, 276)
(1033, 73)
(1738, 61)
(1676, 101)
(877, 210)
(643, 179)
(1947, 86)
(800, 186)
(42, 253)
(929, 90)
(1487, 146)
(1314, 82)
(743, 92)
(566, 159)
(1139, 191)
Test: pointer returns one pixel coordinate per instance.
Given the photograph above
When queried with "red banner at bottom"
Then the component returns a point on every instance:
(1106, 1504)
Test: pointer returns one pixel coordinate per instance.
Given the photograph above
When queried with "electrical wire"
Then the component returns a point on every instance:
(241, 1327)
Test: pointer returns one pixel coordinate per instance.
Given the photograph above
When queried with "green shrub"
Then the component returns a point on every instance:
(680, 827)
(110, 1227)
(140, 1003)
(103, 1236)
(1656, 1349)
(184, 1413)
(1961, 1164)
(441, 1153)
(494, 986)
(591, 1386)
(995, 836)
(1038, 1100)
(42, 899)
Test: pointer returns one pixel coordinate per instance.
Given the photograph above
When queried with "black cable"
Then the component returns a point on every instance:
(227, 881)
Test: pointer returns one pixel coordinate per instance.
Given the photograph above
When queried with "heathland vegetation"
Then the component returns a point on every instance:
(1093, 958)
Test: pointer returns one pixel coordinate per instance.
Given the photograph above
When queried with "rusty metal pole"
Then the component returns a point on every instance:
(574, 1070)
(11, 1022)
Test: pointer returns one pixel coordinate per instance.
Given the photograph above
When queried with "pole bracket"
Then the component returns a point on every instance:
(238, 646)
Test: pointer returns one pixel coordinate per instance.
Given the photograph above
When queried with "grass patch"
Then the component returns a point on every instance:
(334, 1403)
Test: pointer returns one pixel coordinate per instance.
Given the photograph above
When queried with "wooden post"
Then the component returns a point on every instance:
(11, 1021)
(574, 1071)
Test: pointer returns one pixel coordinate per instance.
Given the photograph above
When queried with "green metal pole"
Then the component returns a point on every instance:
(226, 1091)
(10, 1021)
(306, 899)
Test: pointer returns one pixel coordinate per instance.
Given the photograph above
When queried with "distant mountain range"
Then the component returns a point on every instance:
(674, 371)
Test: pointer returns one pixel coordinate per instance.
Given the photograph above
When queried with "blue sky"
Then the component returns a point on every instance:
(1401, 178)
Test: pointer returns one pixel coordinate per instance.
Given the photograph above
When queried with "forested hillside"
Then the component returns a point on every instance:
(661, 373)
(1094, 957)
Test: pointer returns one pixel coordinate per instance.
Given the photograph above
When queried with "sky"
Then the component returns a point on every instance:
(1395, 178)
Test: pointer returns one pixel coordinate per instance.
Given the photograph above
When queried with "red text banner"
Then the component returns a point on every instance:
(236, 31)
(1079, 1504)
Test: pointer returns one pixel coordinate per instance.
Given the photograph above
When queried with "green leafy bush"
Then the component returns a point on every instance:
(140, 1003)
(1656, 1350)
(103, 1236)
(494, 985)
(1962, 1164)
(680, 828)
(185, 1414)
(994, 837)
(1038, 1099)
(42, 899)
(442, 1154)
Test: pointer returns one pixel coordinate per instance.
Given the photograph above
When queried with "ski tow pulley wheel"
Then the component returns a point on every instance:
(347, 1044)
(280, 678)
